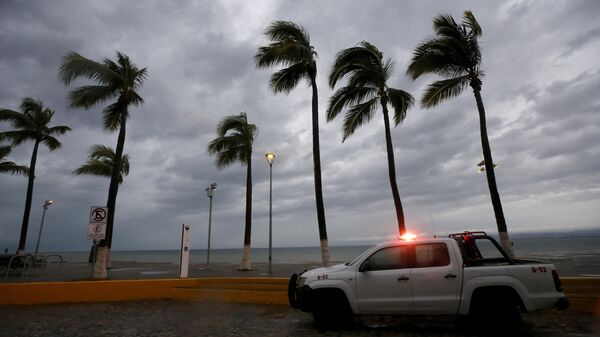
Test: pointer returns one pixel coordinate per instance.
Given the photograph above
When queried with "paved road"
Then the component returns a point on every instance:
(181, 318)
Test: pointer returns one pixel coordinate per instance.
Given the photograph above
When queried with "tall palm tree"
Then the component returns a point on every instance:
(291, 49)
(367, 74)
(234, 144)
(120, 80)
(9, 167)
(32, 123)
(101, 162)
(454, 54)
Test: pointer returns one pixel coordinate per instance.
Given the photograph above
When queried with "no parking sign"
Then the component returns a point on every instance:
(97, 225)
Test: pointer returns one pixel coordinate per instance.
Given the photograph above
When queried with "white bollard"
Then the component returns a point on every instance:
(184, 259)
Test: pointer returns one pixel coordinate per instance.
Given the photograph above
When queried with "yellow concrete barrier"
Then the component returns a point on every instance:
(583, 293)
(242, 290)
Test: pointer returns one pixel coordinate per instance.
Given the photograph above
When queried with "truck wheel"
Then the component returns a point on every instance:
(496, 317)
(333, 312)
(292, 291)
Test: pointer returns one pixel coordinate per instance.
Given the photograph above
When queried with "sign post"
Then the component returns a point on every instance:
(97, 229)
(184, 257)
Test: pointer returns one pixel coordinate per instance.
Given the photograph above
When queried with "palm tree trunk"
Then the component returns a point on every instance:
(28, 198)
(489, 171)
(317, 171)
(392, 167)
(104, 246)
(246, 265)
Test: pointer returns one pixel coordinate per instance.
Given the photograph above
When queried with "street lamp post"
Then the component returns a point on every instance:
(45, 206)
(210, 192)
(270, 156)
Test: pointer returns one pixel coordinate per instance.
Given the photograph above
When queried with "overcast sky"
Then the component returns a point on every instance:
(541, 92)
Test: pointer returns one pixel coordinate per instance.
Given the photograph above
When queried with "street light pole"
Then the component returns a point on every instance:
(45, 206)
(210, 191)
(270, 159)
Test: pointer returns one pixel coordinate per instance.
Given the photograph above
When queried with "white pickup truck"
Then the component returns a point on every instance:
(466, 274)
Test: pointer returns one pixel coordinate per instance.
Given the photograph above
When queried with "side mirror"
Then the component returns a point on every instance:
(366, 266)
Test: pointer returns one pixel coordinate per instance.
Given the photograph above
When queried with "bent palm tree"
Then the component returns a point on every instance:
(101, 162)
(292, 50)
(454, 54)
(120, 80)
(367, 73)
(234, 144)
(9, 167)
(32, 123)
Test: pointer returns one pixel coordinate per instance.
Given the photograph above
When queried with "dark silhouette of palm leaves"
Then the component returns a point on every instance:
(367, 73)
(453, 53)
(9, 167)
(121, 80)
(101, 162)
(234, 141)
(291, 50)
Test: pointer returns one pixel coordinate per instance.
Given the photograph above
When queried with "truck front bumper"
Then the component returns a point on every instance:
(304, 298)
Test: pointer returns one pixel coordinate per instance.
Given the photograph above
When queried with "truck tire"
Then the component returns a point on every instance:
(291, 291)
(495, 316)
(332, 311)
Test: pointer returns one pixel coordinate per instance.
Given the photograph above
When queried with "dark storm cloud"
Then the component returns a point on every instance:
(540, 93)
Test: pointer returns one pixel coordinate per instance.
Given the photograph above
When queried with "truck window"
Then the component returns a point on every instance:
(391, 258)
(431, 255)
(488, 250)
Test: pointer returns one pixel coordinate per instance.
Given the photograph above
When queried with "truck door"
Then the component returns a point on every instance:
(436, 280)
(383, 282)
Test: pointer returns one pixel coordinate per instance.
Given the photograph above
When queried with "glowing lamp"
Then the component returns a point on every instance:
(408, 236)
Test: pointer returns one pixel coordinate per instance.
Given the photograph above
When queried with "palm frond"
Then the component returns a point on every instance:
(58, 130)
(75, 66)
(443, 89)
(358, 115)
(101, 162)
(17, 137)
(401, 101)
(346, 97)
(32, 106)
(8, 167)
(113, 114)
(287, 30)
(286, 79)
(89, 95)
(470, 21)
(437, 56)
(51, 142)
(234, 140)
(285, 53)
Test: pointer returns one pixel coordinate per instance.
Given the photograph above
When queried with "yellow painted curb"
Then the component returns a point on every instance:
(583, 292)
(242, 290)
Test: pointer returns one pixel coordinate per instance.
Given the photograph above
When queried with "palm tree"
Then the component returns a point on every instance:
(9, 167)
(234, 144)
(454, 54)
(120, 80)
(32, 123)
(291, 49)
(367, 73)
(101, 162)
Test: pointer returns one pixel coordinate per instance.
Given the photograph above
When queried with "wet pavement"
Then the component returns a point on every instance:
(190, 318)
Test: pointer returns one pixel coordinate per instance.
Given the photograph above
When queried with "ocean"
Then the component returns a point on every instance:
(573, 256)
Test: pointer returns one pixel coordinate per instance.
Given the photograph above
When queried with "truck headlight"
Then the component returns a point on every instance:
(300, 282)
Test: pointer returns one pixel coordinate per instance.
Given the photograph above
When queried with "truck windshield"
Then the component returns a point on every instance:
(488, 250)
(360, 257)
